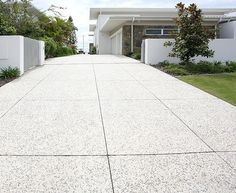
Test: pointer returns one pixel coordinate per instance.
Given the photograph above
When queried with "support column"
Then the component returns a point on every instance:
(132, 36)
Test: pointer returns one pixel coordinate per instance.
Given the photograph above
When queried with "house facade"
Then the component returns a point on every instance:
(121, 30)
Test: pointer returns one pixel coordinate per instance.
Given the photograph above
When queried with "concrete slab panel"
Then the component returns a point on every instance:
(54, 174)
(111, 73)
(16, 89)
(38, 73)
(146, 127)
(174, 90)
(117, 90)
(5, 106)
(172, 173)
(72, 73)
(229, 157)
(213, 120)
(52, 128)
(64, 90)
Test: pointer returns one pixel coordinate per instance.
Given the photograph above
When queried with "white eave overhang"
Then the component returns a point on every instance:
(114, 22)
(111, 24)
(95, 12)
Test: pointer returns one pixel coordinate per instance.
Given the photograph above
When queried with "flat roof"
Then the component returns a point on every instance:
(115, 21)
(94, 12)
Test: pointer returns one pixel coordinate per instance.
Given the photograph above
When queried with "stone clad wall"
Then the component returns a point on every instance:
(139, 35)
(126, 39)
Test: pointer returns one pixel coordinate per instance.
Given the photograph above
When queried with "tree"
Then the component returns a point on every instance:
(72, 39)
(22, 18)
(193, 38)
(6, 27)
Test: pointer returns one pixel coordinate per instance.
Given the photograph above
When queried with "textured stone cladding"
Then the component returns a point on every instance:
(126, 39)
(139, 35)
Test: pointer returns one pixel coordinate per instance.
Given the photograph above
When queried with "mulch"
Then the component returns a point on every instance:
(2, 82)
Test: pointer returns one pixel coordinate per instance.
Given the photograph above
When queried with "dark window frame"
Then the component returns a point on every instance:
(162, 31)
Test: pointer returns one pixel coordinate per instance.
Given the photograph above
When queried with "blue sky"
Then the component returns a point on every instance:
(79, 9)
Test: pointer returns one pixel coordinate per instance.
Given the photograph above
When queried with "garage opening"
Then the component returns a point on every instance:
(116, 43)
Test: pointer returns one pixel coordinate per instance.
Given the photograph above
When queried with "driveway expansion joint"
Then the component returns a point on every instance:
(104, 132)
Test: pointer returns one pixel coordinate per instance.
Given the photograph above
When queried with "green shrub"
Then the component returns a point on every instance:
(74, 49)
(202, 67)
(129, 54)
(205, 67)
(136, 56)
(8, 73)
(50, 47)
(164, 63)
(175, 69)
(230, 66)
(94, 50)
(218, 67)
(63, 51)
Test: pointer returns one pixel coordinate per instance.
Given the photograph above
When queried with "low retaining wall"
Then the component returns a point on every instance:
(154, 51)
(23, 53)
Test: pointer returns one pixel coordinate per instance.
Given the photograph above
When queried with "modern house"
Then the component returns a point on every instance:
(121, 30)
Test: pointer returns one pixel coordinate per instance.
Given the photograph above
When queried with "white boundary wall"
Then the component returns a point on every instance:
(12, 53)
(155, 51)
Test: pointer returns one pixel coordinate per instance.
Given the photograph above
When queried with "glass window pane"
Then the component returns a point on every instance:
(153, 31)
(170, 31)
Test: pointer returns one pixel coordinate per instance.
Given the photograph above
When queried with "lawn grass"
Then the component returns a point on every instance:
(222, 86)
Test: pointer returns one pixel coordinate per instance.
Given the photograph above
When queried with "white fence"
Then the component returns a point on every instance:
(23, 53)
(154, 51)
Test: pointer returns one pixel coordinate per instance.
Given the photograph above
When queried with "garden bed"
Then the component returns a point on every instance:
(202, 67)
(8, 74)
(2, 82)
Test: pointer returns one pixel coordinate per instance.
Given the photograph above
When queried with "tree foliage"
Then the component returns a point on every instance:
(193, 38)
(22, 18)
(5, 23)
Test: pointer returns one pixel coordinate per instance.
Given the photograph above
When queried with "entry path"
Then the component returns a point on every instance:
(112, 124)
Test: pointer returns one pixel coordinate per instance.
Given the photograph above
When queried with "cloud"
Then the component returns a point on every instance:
(79, 9)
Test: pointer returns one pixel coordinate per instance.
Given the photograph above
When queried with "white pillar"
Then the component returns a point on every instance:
(20, 40)
(132, 36)
(41, 52)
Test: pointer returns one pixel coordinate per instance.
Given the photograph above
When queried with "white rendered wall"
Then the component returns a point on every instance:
(228, 30)
(102, 39)
(104, 44)
(156, 52)
(12, 52)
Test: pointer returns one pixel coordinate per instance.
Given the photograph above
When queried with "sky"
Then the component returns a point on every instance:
(79, 10)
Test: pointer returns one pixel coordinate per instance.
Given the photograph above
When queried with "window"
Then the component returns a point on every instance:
(170, 31)
(153, 32)
(161, 31)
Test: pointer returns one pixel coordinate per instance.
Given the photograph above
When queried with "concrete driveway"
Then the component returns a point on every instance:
(111, 124)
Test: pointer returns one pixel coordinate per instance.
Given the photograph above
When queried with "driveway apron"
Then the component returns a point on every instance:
(105, 123)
